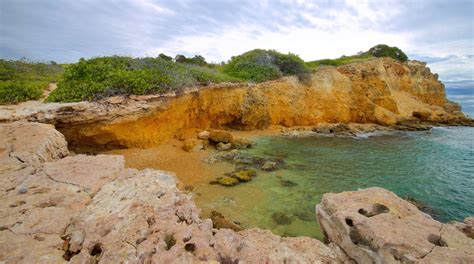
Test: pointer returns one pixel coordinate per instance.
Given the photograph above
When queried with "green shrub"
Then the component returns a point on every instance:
(339, 61)
(263, 65)
(23, 80)
(104, 76)
(383, 50)
(20, 91)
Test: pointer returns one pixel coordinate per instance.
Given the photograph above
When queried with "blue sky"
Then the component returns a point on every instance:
(439, 32)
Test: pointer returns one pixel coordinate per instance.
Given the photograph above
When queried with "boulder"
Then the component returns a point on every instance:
(220, 221)
(204, 135)
(241, 143)
(31, 143)
(467, 227)
(423, 115)
(375, 226)
(269, 166)
(218, 136)
(223, 146)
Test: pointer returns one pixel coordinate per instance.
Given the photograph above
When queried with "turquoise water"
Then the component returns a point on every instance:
(436, 168)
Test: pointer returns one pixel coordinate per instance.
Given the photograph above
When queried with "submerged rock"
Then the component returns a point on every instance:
(219, 221)
(227, 181)
(244, 175)
(241, 143)
(281, 218)
(223, 146)
(288, 183)
(269, 166)
(375, 226)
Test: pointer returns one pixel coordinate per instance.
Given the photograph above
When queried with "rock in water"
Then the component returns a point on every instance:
(269, 166)
(376, 226)
(223, 146)
(219, 221)
(244, 175)
(228, 181)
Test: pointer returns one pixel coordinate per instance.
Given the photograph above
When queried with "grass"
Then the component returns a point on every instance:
(339, 61)
(23, 80)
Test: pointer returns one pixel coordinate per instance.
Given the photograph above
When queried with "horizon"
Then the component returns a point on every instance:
(437, 32)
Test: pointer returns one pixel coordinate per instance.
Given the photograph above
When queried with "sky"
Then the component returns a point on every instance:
(438, 32)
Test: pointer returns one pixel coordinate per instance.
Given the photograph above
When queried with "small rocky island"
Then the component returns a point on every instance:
(59, 206)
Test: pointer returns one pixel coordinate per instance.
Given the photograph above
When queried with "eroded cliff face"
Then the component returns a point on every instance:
(381, 91)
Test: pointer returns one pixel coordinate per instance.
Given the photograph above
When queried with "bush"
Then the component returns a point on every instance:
(20, 91)
(383, 50)
(104, 76)
(339, 61)
(23, 80)
(263, 65)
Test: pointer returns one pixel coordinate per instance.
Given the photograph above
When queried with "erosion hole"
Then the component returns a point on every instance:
(375, 210)
(96, 250)
(190, 247)
(349, 222)
(437, 240)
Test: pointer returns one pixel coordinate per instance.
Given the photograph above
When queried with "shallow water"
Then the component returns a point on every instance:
(435, 168)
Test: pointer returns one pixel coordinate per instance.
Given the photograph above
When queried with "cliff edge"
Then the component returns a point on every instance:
(381, 91)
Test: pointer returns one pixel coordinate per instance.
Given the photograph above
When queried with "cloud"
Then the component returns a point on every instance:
(439, 32)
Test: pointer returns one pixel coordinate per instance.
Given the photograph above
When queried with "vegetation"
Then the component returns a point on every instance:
(98, 77)
(170, 241)
(262, 65)
(383, 50)
(91, 79)
(339, 61)
(23, 80)
(380, 50)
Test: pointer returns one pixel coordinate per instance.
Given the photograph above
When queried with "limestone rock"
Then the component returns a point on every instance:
(223, 146)
(86, 172)
(204, 135)
(269, 166)
(31, 143)
(467, 227)
(218, 136)
(261, 246)
(241, 143)
(220, 221)
(423, 115)
(375, 226)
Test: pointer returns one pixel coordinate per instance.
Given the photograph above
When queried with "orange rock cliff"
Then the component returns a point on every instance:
(380, 91)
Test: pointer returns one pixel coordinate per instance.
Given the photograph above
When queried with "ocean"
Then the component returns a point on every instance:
(435, 168)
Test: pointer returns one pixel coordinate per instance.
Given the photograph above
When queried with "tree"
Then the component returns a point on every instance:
(383, 50)
(165, 57)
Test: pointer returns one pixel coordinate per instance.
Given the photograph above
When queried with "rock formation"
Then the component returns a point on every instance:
(375, 226)
(89, 209)
(381, 91)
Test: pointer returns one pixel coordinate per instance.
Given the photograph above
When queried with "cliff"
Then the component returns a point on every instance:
(381, 91)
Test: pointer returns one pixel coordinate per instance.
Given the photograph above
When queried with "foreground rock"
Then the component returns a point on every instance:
(375, 226)
(90, 209)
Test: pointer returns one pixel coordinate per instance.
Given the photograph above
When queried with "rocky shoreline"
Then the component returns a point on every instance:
(58, 208)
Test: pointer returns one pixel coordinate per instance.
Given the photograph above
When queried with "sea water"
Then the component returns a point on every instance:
(435, 168)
